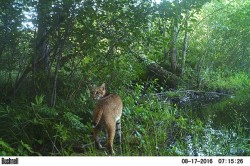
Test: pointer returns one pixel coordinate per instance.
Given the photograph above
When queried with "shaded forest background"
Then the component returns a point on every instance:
(51, 51)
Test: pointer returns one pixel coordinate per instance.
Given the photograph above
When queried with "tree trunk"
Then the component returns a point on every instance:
(42, 48)
(185, 42)
(172, 48)
(62, 37)
(159, 71)
(164, 37)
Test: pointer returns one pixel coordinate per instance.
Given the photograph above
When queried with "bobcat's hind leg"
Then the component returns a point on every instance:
(111, 135)
(118, 131)
(96, 137)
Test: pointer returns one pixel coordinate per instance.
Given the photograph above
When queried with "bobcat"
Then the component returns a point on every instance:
(107, 114)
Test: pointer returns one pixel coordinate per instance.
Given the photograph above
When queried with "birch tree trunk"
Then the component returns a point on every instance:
(172, 48)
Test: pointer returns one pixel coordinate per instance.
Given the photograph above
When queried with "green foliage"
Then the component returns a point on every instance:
(234, 82)
(220, 41)
(40, 127)
(6, 149)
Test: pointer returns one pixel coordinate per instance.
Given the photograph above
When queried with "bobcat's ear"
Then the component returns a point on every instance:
(103, 86)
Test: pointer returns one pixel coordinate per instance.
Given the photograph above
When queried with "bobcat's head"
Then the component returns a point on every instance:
(98, 92)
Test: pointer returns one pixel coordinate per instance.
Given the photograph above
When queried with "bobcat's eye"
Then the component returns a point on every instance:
(97, 93)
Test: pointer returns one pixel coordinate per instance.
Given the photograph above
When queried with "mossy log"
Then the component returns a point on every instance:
(159, 71)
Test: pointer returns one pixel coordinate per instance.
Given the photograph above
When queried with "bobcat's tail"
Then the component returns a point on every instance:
(97, 118)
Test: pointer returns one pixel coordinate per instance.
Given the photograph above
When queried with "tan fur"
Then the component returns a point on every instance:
(107, 114)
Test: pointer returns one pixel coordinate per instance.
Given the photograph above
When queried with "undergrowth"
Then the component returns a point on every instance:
(150, 125)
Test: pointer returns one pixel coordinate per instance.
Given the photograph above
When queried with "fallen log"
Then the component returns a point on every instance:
(158, 71)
